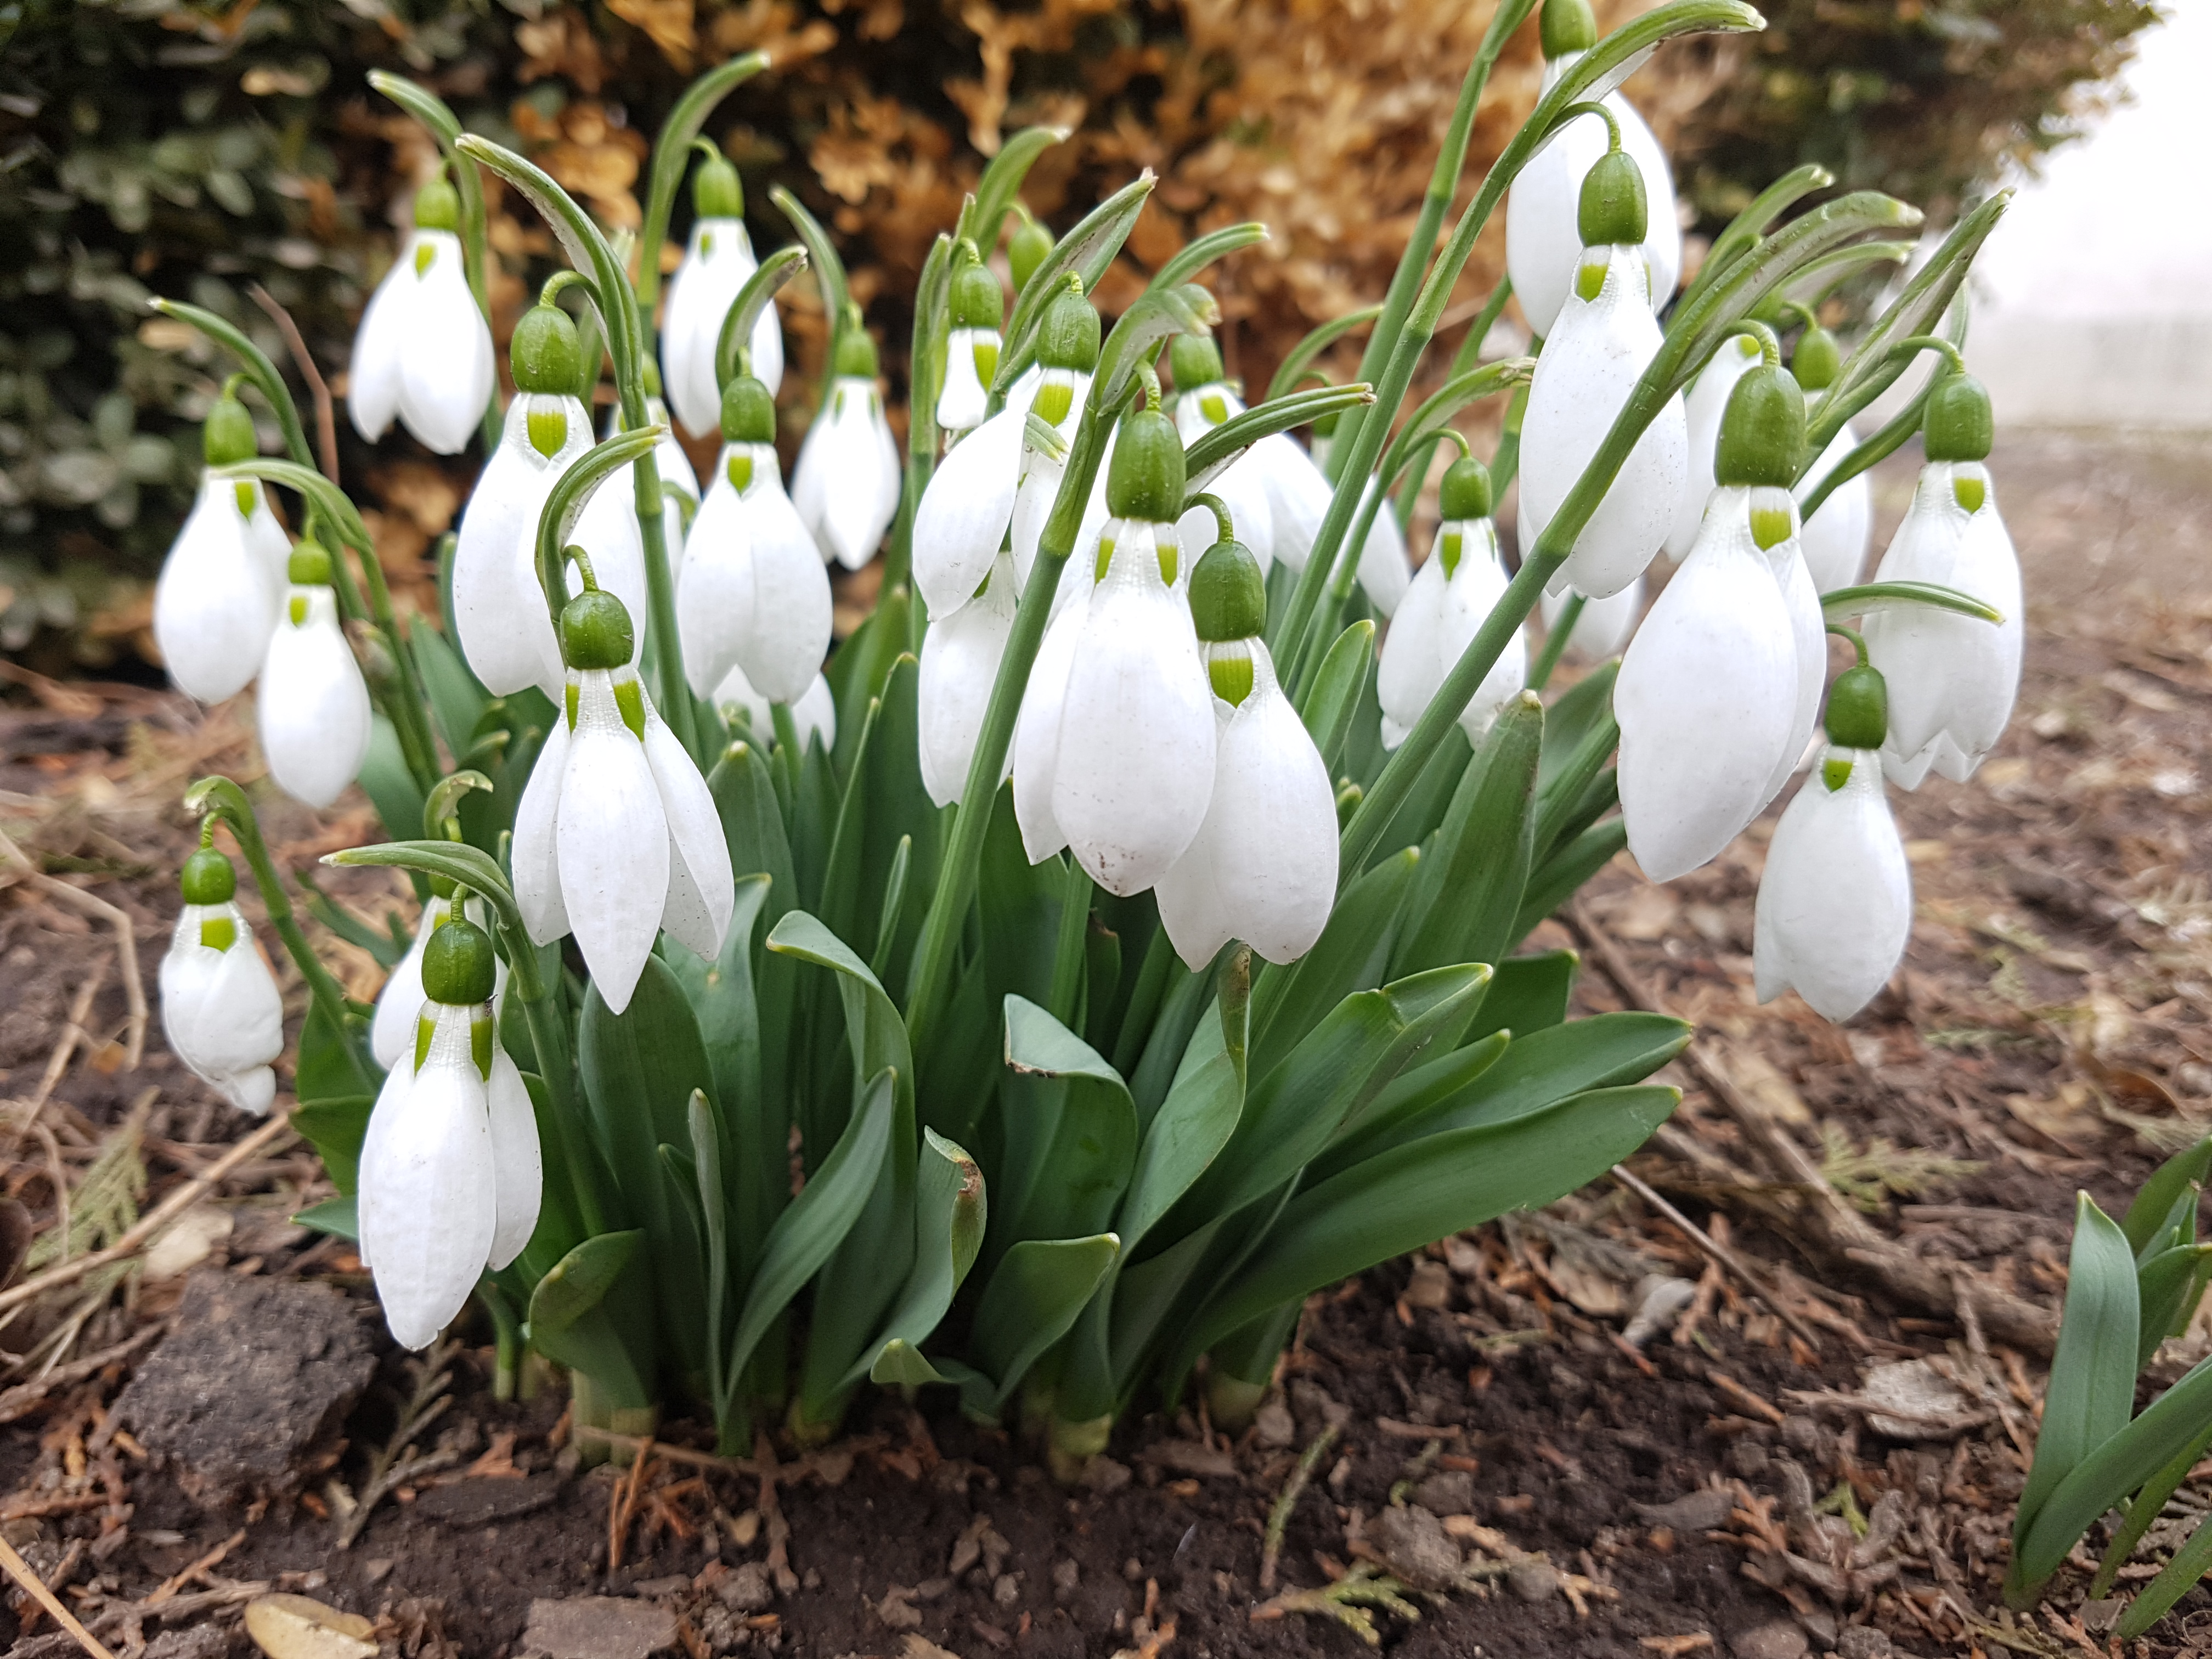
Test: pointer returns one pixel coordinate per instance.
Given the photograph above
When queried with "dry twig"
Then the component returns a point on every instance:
(35, 1587)
(1718, 1252)
(396, 1464)
(326, 426)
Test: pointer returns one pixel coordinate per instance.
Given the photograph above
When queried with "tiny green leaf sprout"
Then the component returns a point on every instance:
(1129, 921)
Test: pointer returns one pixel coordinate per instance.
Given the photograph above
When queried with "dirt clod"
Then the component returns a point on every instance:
(1863, 1642)
(1412, 1545)
(1697, 1511)
(1779, 1640)
(1450, 1492)
(598, 1627)
(467, 1505)
(1533, 1581)
(748, 1590)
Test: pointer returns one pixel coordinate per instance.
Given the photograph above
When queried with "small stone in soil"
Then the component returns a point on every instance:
(1693, 1512)
(208, 1641)
(1005, 1591)
(1066, 1576)
(1863, 1642)
(1430, 1287)
(1103, 1475)
(598, 1627)
(748, 1589)
(1779, 1640)
(1412, 1545)
(1533, 1581)
(1450, 1492)
(1274, 1426)
(467, 1505)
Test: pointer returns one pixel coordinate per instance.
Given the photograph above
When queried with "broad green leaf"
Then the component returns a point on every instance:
(1018, 904)
(1527, 994)
(337, 1217)
(819, 1219)
(1561, 876)
(1351, 955)
(1425, 1190)
(2092, 1390)
(2168, 1197)
(2164, 1287)
(1577, 790)
(2181, 1575)
(331, 1065)
(1431, 796)
(1571, 716)
(841, 904)
(1333, 697)
(1033, 1297)
(457, 700)
(950, 1214)
(757, 1123)
(591, 1313)
(1469, 889)
(335, 1126)
(714, 1215)
(1193, 1123)
(752, 824)
(1410, 1096)
(898, 807)
(1070, 1130)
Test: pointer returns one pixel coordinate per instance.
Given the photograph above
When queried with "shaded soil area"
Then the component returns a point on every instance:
(1568, 1434)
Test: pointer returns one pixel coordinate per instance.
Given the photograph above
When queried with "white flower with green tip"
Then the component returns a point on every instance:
(718, 261)
(423, 351)
(215, 602)
(312, 708)
(220, 1008)
(846, 486)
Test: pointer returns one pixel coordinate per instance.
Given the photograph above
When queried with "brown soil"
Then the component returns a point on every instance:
(2049, 1033)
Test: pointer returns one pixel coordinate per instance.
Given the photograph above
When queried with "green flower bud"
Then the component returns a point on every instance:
(1858, 708)
(1194, 362)
(652, 378)
(595, 631)
(1465, 492)
(546, 353)
(748, 411)
(1067, 335)
(1029, 247)
(716, 191)
(1228, 595)
(438, 206)
(1818, 359)
(208, 879)
(1146, 482)
(1568, 26)
(444, 887)
(457, 965)
(227, 438)
(856, 351)
(1763, 430)
(1959, 426)
(1612, 212)
(309, 566)
(978, 301)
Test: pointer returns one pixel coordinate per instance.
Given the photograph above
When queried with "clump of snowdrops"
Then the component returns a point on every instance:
(1110, 947)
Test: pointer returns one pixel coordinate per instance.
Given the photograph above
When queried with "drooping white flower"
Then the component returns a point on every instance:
(673, 467)
(1605, 338)
(1952, 678)
(1835, 901)
(1263, 865)
(1452, 595)
(960, 659)
(1204, 399)
(499, 608)
(814, 715)
(1542, 243)
(216, 599)
(617, 837)
(399, 1004)
(450, 1173)
(753, 593)
(1603, 627)
(220, 1008)
(718, 261)
(847, 484)
(314, 706)
(1837, 537)
(965, 514)
(1706, 697)
(1297, 495)
(1702, 407)
(971, 347)
(1777, 534)
(423, 351)
(1037, 729)
(1054, 392)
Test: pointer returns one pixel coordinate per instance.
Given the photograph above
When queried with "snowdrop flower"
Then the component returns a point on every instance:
(1703, 405)
(1952, 678)
(1837, 537)
(814, 715)
(1708, 693)
(717, 263)
(498, 607)
(1541, 247)
(219, 1004)
(216, 599)
(960, 659)
(1605, 338)
(423, 350)
(1204, 399)
(450, 1175)
(1601, 627)
(617, 837)
(399, 1004)
(1452, 595)
(999, 478)
(1835, 901)
(1029, 247)
(752, 594)
(313, 705)
(971, 350)
(676, 479)
(847, 486)
(1263, 865)
(1130, 760)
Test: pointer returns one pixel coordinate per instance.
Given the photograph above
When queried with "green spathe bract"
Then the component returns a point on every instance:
(1043, 1161)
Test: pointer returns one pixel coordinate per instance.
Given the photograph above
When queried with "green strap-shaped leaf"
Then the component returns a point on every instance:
(1302, 355)
(1527, 994)
(950, 1214)
(2168, 1287)
(588, 1313)
(2168, 1199)
(1034, 1296)
(1334, 696)
(1471, 875)
(259, 369)
(1202, 250)
(1214, 451)
(2093, 1373)
(1561, 875)
(2175, 1580)
(1351, 955)
(985, 213)
(1071, 1131)
(1087, 250)
(340, 1218)
(761, 288)
(335, 1126)
(1159, 314)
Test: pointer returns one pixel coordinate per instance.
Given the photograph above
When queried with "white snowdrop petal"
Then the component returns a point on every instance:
(1473, 593)
(1809, 640)
(1297, 496)
(518, 1174)
(613, 841)
(701, 898)
(1835, 901)
(960, 659)
(1385, 571)
(213, 603)
(1835, 539)
(399, 1004)
(372, 377)
(1408, 671)
(965, 514)
(607, 529)
(446, 372)
(1604, 625)
(1703, 405)
(715, 594)
(505, 631)
(314, 710)
(961, 402)
(268, 540)
(788, 633)
(1036, 735)
(1189, 894)
(535, 854)
(1271, 819)
(1706, 699)
(717, 262)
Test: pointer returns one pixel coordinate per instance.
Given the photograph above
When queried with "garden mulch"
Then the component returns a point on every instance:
(1574, 1433)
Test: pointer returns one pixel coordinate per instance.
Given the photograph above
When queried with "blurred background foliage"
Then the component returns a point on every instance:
(213, 151)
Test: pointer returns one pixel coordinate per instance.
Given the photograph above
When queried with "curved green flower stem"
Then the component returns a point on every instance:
(1895, 596)
(586, 248)
(955, 886)
(925, 379)
(1555, 641)
(434, 114)
(1194, 257)
(405, 709)
(732, 345)
(829, 274)
(1745, 230)
(1850, 636)
(1353, 454)
(506, 1338)
(1295, 367)
(1398, 299)
(671, 151)
(983, 215)
(220, 797)
(1884, 443)
(1505, 464)
(564, 505)
(1466, 357)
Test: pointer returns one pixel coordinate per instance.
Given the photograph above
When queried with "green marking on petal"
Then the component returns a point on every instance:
(1590, 278)
(1052, 403)
(1835, 774)
(570, 698)
(1214, 407)
(218, 932)
(1449, 553)
(629, 697)
(244, 492)
(705, 243)
(1770, 526)
(1231, 678)
(480, 1035)
(298, 609)
(1168, 549)
(1969, 493)
(426, 255)
(740, 471)
(1105, 558)
(838, 407)
(548, 430)
(425, 1028)
(986, 360)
